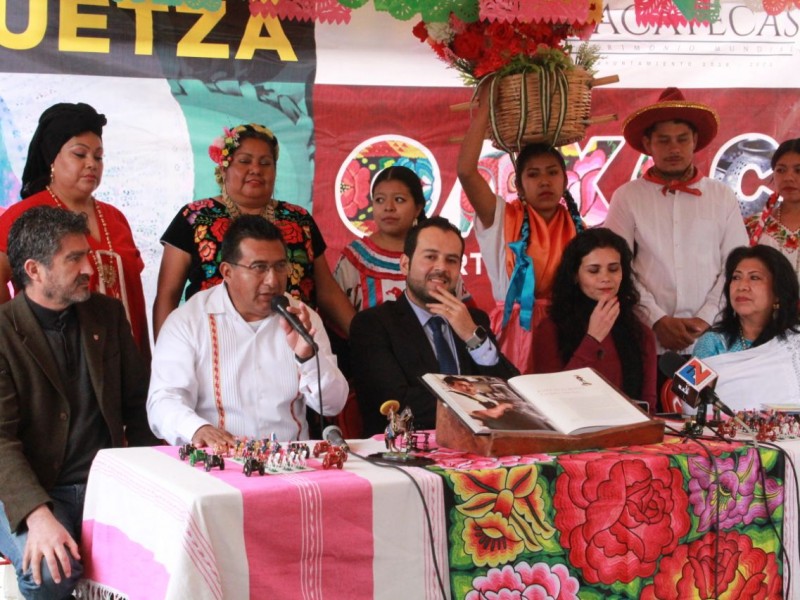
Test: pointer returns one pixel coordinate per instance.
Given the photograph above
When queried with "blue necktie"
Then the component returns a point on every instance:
(447, 362)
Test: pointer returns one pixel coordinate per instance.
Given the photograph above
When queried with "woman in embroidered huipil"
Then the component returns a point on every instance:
(369, 270)
(761, 302)
(521, 241)
(246, 157)
(64, 168)
(778, 224)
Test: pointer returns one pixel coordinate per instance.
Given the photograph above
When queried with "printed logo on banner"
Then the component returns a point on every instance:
(743, 164)
(370, 157)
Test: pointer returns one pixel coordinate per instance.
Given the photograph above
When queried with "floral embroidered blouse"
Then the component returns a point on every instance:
(777, 236)
(199, 227)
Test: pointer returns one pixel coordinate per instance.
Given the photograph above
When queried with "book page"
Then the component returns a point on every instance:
(577, 400)
(486, 404)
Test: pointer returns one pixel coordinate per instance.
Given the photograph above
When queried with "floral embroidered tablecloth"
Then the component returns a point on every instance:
(673, 520)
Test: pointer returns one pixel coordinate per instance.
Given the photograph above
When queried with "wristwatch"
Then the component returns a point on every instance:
(478, 337)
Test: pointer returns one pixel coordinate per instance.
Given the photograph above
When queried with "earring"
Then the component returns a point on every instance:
(775, 308)
(52, 172)
(414, 223)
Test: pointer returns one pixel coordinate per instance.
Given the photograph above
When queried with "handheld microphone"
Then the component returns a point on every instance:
(334, 435)
(279, 305)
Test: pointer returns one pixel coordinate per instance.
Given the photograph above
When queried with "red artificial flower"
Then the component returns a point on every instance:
(420, 31)
(618, 514)
(468, 45)
(500, 33)
(215, 153)
(742, 571)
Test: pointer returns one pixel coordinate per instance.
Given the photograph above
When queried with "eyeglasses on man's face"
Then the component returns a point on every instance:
(278, 268)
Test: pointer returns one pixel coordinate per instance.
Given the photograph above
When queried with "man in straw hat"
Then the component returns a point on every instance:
(680, 224)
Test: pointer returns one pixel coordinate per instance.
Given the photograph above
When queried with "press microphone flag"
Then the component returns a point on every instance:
(691, 379)
(693, 382)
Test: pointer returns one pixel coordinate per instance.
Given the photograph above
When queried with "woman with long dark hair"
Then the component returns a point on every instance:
(761, 296)
(593, 321)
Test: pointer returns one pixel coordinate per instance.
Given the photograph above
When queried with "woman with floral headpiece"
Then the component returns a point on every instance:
(246, 158)
(521, 241)
(64, 168)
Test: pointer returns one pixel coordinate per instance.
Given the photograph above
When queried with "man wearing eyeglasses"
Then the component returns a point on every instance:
(226, 366)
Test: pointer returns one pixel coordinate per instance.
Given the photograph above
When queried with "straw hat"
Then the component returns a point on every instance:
(671, 106)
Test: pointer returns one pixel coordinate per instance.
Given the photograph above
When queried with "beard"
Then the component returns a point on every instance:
(420, 292)
(66, 295)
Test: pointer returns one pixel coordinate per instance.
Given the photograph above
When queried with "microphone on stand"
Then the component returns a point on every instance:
(279, 305)
(334, 435)
(693, 382)
(691, 379)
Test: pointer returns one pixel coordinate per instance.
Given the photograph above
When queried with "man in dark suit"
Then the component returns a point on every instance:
(71, 382)
(427, 330)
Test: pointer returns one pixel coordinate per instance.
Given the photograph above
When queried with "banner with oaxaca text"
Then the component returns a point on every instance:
(346, 98)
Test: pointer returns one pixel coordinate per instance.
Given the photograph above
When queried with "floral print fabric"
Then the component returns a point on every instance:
(672, 520)
(199, 227)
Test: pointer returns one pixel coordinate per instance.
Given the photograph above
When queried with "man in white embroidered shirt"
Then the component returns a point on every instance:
(226, 366)
(679, 224)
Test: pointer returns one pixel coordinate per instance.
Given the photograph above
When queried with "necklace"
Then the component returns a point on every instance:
(106, 272)
(742, 340)
(268, 212)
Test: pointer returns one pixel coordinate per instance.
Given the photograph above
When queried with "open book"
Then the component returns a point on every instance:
(570, 402)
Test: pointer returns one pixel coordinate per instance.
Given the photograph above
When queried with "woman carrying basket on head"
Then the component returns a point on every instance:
(521, 241)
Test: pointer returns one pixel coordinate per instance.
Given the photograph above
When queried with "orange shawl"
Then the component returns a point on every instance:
(547, 242)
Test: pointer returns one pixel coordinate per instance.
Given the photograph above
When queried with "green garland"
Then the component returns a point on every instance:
(431, 11)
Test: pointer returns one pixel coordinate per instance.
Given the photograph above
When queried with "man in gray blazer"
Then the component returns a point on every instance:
(71, 383)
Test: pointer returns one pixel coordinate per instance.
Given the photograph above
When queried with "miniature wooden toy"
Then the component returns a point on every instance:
(336, 457)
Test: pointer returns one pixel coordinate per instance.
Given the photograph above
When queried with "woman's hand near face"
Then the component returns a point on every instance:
(603, 317)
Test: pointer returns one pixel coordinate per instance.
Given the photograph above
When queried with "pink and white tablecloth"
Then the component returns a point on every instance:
(154, 527)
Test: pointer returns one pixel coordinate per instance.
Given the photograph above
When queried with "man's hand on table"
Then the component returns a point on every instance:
(48, 540)
(210, 436)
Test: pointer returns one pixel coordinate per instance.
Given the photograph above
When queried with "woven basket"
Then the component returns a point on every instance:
(520, 117)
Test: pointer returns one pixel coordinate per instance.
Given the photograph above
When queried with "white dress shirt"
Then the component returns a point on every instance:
(264, 389)
(680, 243)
